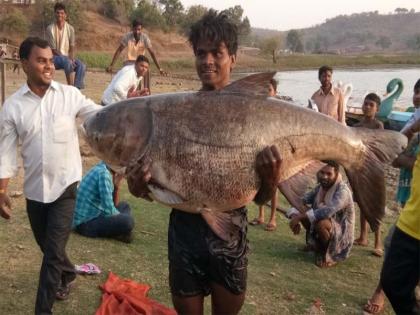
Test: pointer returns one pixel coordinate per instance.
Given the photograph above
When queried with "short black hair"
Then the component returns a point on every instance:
(142, 58)
(59, 6)
(215, 27)
(273, 83)
(136, 22)
(417, 85)
(324, 69)
(332, 164)
(26, 46)
(374, 97)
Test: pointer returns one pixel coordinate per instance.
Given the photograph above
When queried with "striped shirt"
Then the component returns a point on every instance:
(94, 196)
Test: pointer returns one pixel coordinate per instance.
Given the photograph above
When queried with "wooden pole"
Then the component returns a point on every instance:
(3, 81)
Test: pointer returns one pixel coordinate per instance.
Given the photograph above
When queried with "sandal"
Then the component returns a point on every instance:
(373, 308)
(270, 227)
(63, 291)
(256, 221)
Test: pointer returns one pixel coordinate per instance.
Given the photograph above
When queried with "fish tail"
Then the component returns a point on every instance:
(368, 179)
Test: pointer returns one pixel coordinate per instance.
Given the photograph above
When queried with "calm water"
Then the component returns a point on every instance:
(300, 85)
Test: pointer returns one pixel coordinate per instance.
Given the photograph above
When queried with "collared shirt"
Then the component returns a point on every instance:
(118, 88)
(134, 49)
(47, 129)
(61, 40)
(330, 104)
(95, 195)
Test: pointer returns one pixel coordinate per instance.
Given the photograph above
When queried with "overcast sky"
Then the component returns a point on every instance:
(284, 15)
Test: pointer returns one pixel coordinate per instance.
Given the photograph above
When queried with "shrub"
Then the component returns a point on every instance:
(14, 22)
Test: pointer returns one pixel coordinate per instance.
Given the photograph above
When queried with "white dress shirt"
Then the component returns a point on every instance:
(122, 81)
(50, 145)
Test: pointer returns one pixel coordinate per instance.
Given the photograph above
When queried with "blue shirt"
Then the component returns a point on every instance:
(95, 195)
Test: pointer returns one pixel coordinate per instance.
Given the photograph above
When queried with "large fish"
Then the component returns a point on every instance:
(203, 147)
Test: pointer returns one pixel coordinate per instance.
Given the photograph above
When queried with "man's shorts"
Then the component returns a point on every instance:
(198, 257)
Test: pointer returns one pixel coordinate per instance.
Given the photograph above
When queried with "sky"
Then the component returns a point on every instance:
(294, 14)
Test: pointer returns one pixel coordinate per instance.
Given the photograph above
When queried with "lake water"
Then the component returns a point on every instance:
(300, 85)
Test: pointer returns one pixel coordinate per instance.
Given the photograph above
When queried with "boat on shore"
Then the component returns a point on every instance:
(392, 119)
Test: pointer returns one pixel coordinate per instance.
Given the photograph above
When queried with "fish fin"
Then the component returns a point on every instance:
(297, 185)
(255, 84)
(164, 195)
(220, 223)
(368, 180)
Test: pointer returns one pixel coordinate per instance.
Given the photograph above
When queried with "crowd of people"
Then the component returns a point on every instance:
(41, 115)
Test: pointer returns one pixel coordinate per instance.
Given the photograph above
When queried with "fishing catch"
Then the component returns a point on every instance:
(203, 146)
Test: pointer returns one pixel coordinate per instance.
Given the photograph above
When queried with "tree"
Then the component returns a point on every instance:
(384, 42)
(14, 22)
(294, 41)
(401, 10)
(414, 42)
(244, 27)
(173, 12)
(193, 14)
(270, 46)
(117, 9)
(149, 14)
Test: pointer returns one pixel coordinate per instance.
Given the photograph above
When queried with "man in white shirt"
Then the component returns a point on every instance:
(42, 115)
(61, 38)
(128, 78)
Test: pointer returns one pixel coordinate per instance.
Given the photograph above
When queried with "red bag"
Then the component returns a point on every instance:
(127, 297)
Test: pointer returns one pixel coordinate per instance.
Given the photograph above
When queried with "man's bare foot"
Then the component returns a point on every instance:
(375, 304)
(361, 242)
(322, 263)
(378, 252)
(270, 227)
(256, 221)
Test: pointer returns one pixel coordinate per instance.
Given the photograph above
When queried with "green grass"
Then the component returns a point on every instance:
(276, 267)
(100, 60)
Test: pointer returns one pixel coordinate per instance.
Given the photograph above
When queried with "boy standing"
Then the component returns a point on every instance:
(370, 107)
(201, 263)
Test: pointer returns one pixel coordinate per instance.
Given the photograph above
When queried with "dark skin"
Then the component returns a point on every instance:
(326, 178)
(325, 78)
(136, 32)
(370, 108)
(214, 64)
(39, 69)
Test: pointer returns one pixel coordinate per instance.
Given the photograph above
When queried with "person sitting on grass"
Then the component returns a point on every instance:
(98, 211)
(370, 107)
(128, 79)
(329, 221)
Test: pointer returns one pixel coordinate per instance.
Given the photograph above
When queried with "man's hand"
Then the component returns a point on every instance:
(268, 166)
(108, 69)
(132, 92)
(5, 206)
(116, 179)
(295, 223)
(138, 176)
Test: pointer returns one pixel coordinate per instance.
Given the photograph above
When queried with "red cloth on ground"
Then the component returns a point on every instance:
(127, 297)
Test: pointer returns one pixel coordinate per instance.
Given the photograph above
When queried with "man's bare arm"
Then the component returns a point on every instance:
(114, 58)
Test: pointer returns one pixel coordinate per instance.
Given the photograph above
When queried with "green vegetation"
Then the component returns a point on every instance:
(14, 22)
(100, 60)
(282, 279)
